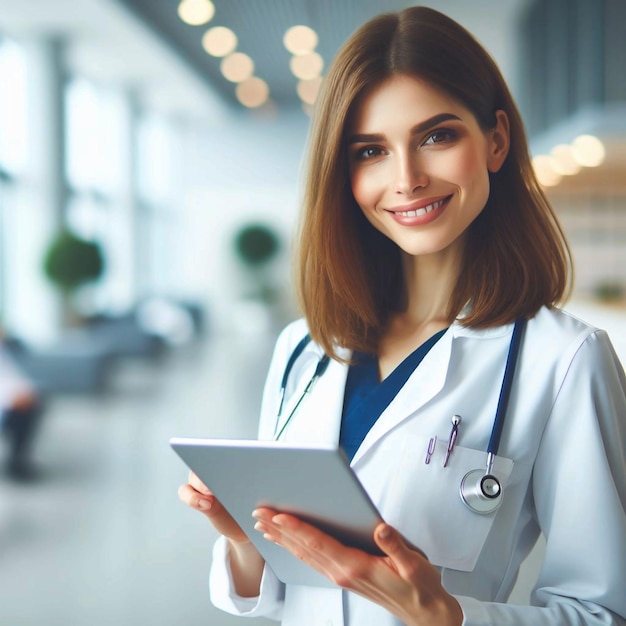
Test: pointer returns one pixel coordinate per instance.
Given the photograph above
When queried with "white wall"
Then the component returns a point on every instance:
(248, 170)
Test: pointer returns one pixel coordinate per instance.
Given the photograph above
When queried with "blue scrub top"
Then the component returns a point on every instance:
(366, 397)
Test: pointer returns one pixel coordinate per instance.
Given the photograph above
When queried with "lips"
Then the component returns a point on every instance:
(422, 210)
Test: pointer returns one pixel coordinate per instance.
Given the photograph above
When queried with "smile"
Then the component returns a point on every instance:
(421, 211)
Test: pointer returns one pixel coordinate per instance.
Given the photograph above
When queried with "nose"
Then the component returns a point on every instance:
(410, 174)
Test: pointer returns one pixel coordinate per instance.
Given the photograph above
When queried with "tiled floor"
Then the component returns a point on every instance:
(102, 539)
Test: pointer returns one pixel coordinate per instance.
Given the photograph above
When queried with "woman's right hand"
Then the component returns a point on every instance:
(199, 497)
(246, 563)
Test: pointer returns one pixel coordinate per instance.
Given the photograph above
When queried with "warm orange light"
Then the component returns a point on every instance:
(300, 39)
(588, 151)
(219, 41)
(563, 161)
(237, 67)
(252, 92)
(196, 12)
(308, 89)
(307, 66)
(542, 164)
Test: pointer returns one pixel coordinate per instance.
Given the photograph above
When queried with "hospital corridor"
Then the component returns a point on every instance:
(153, 172)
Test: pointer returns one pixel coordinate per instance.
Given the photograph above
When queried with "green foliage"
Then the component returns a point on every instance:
(256, 244)
(609, 291)
(71, 261)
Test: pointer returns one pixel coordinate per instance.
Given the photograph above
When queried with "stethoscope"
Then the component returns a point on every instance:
(322, 364)
(480, 489)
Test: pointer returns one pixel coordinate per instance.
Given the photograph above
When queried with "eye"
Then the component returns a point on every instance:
(441, 135)
(368, 152)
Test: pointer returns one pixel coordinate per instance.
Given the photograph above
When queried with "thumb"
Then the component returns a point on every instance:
(394, 545)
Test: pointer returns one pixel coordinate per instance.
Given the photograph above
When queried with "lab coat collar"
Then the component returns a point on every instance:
(456, 330)
(320, 419)
(459, 330)
(424, 383)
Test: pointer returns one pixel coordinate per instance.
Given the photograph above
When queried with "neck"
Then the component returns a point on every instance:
(429, 282)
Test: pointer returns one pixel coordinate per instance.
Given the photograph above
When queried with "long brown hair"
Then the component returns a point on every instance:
(516, 259)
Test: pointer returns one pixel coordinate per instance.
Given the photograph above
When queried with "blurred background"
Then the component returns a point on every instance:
(150, 176)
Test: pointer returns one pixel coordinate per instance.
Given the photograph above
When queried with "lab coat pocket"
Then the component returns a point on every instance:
(432, 514)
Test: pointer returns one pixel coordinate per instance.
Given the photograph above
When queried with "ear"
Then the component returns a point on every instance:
(498, 142)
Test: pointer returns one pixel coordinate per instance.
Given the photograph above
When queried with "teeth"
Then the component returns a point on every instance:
(422, 211)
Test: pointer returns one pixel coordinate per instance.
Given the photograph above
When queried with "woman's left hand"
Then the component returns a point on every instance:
(403, 582)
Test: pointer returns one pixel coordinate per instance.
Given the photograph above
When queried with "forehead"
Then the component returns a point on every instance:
(401, 98)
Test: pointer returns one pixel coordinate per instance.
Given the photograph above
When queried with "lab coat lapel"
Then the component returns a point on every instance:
(423, 385)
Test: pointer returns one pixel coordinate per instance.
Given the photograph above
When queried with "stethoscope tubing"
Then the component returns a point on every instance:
(302, 344)
(481, 490)
(505, 389)
(320, 368)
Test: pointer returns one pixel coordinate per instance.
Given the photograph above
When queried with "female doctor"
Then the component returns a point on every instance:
(426, 247)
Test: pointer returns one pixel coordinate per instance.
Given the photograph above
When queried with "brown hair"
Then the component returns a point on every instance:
(516, 259)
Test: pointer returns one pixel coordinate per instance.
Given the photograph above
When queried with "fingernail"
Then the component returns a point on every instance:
(260, 527)
(384, 533)
(205, 505)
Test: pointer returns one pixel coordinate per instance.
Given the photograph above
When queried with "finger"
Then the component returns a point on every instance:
(405, 558)
(199, 501)
(212, 508)
(288, 531)
(341, 564)
(197, 484)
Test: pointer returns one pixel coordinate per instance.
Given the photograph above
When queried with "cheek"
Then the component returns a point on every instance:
(363, 188)
(466, 165)
(470, 169)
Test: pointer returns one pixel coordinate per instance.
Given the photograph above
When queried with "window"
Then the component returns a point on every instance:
(98, 169)
(13, 151)
(13, 109)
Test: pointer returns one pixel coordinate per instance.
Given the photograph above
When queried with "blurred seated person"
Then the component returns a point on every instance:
(20, 411)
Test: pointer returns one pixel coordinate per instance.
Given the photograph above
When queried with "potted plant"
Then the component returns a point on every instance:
(71, 262)
(256, 245)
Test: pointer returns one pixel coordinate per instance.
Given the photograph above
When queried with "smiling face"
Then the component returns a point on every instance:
(420, 163)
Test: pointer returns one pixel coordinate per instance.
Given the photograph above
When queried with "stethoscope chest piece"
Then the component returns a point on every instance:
(481, 492)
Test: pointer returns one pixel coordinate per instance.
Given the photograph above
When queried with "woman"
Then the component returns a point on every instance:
(425, 237)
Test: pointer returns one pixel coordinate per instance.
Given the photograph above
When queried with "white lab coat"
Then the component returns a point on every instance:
(562, 461)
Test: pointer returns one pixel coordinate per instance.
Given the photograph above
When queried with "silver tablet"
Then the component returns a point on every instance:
(314, 483)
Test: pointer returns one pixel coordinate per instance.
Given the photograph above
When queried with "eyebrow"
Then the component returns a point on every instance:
(418, 128)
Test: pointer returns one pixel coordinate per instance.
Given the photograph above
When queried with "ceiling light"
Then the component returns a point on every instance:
(219, 41)
(308, 89)
(300, 39)
(542, 164)
(563, 161)
(237, 67)
(588, 151)
(196, 12)
(252, 92)
(307, 66)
